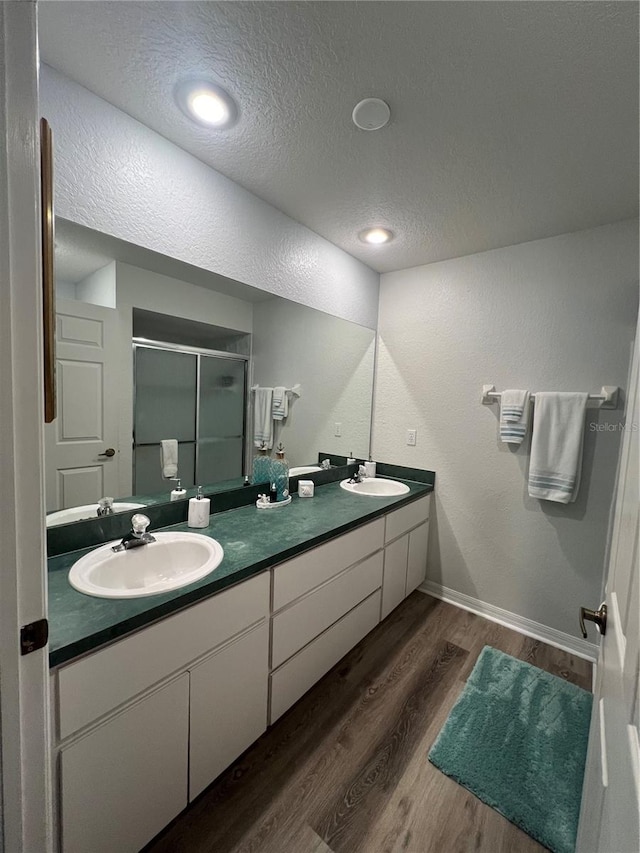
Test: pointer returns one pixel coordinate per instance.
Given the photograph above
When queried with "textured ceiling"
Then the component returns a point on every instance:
(511, 121)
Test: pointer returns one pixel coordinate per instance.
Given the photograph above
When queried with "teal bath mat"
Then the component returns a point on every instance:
(517, 739)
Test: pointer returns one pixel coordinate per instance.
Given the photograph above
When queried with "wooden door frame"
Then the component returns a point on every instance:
(26, 825)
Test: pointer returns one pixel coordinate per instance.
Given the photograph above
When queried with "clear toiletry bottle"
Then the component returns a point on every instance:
(261, 471)
(280, 473)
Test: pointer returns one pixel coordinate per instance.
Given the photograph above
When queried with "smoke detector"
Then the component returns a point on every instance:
(371, 114)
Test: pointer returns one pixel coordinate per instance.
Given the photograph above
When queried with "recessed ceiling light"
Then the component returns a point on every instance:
(376, 236)
(206, 103)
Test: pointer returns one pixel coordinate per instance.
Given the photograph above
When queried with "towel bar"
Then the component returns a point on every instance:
(608, 396)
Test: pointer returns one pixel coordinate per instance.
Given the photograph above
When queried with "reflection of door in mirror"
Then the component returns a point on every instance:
(78, 469)
(196, 397)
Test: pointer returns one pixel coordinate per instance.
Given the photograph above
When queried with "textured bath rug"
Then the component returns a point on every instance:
(517, 739)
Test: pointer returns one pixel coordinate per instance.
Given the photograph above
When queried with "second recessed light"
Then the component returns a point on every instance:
(376, 236)
(206, 103)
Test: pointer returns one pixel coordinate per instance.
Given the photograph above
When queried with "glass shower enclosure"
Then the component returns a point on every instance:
(196, 396)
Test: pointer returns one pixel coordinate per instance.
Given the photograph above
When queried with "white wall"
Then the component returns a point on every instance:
(333, 362)
(117, 176)
(554, 314)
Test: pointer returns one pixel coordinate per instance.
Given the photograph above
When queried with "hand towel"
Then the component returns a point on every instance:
(556, 446)
(514, 416)
(169, 457)
(280, 403)
(263, 417)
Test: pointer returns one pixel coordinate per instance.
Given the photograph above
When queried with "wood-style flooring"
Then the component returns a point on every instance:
(346, 770)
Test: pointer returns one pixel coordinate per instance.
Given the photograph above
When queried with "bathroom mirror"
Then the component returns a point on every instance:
(151, 348)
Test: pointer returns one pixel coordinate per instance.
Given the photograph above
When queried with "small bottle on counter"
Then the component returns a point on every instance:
(280, 473)
(273, 493)
(199, 509)
(261, 471)
(178, 492)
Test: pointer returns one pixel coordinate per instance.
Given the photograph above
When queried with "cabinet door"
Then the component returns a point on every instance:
(123, 782)
(417, 563)
(395, 574)
(228, 705)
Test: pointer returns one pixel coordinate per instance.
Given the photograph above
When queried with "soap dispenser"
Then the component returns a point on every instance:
(178, 492)
(261, 471)
(199, 510)
(280, 473)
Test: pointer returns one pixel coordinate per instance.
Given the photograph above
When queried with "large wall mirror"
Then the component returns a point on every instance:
(150, 348)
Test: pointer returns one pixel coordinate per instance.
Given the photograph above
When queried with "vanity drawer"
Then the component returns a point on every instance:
(296, 626)
(404, 519)
(94, 685)
(297, 675)
(302, 574)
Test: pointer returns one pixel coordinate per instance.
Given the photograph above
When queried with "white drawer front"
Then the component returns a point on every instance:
(297, 675)
(295, 577)
(296, 626)
(404, 519)
(92, 686)
(417, 558)
(228, 705)
(122, 783)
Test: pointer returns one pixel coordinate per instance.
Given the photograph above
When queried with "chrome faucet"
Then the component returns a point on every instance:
(105, 507)
(137, 536)
(359, 476)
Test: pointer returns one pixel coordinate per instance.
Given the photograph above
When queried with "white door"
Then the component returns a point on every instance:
(25, 766)
(81, 445)
(610, 816)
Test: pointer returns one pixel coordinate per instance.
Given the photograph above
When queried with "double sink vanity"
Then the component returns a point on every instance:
(153, 696)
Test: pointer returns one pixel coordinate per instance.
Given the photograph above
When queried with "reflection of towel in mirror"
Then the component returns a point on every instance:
(280, 403)
(263, 417)
(169, 457)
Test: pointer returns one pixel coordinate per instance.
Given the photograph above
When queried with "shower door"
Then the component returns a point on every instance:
(196, 397)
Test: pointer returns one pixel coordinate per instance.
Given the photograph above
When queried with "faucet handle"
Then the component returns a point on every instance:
(139, 523)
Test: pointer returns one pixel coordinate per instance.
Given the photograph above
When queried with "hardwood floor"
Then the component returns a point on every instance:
(346, 770)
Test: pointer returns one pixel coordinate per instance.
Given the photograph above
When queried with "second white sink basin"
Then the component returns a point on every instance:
(376, 487)
(303, 469)
(171, 562)
(80, 513)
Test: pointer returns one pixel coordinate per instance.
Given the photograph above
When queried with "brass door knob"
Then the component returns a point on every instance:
(597, 616)
(109, 452)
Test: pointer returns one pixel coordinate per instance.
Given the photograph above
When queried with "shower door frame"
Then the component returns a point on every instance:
(147, 343)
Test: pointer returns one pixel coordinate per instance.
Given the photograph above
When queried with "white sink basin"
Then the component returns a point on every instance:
(304, 469)
(172, 561)
(376, 487)
(78, 513)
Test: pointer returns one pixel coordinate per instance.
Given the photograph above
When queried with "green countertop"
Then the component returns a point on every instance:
(253, 540)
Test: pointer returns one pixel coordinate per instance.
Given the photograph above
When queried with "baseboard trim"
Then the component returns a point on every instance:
(537, 630)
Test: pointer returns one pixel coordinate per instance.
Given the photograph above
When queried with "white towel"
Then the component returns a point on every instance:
(169, 457)
(514, 416)
(280, 403)
(263, 417)
(556, 446)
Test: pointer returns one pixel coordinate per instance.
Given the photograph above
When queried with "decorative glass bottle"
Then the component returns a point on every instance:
(262, 462)
(280, 473)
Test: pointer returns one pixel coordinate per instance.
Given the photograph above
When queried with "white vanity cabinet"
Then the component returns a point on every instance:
(148, 722)
(405, 553)
(143, 725)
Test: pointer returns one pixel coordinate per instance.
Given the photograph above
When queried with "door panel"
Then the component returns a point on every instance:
(87, 424)
(165, 395)
(610, 815)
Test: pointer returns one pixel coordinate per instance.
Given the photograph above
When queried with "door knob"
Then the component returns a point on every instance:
(109, 452)
(597, 616)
